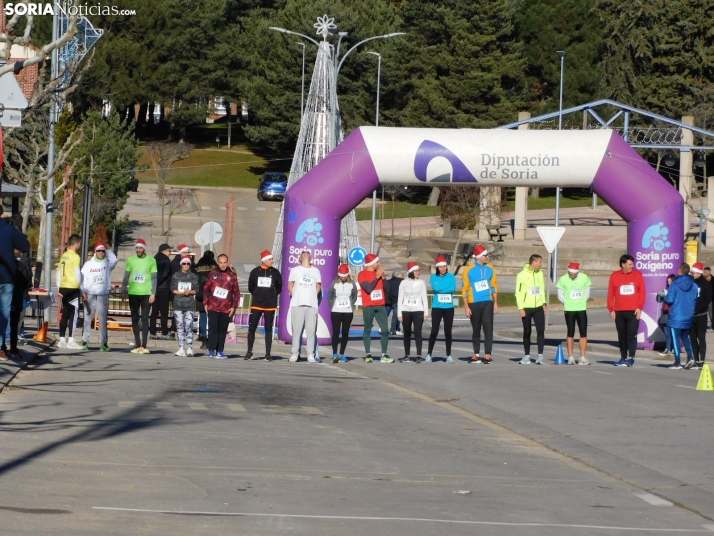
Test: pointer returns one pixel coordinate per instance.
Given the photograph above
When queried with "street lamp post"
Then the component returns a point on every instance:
(302, 93)
(554, 273)
(376, 124)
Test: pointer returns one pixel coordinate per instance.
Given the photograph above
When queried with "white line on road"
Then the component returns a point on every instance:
(235, 407)
(597, 371)
(408, 519)
(686, 386)
(653, 499)
(260, 208)
(276, 209)
(221, 208)
(197, 406)
(242, 208)
(164, 405)
(127, 404)
(205, 208)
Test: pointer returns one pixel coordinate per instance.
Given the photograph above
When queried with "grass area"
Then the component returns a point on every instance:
(571, 197)
(237, 167)
(402, 209)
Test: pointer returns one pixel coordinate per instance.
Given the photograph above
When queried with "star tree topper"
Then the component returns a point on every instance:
(324, 25)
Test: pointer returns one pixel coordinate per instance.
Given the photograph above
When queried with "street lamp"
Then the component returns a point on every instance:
(302, 93)
(669, 158)
(703, 214)
(376, 124)
(561, 54)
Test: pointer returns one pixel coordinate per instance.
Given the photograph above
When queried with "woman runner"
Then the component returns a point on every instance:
(342, 297)
(413, 309)
(442, 306)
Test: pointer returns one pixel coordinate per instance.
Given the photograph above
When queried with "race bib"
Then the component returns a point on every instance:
(342, 302)
(265, 281)
(410, 301)
(98, 279)
(444, 298)
(627, 290)
(183, 287)
(535, 291)
(376, 295)
(221, 293)
(480, 286)
(139, 278)
(576, 294)
(306, 280)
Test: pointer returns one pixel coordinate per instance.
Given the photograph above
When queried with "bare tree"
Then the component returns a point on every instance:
(392, 191)
(163, 155)
(175, 198)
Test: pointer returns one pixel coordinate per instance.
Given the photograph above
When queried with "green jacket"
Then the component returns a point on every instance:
(530, 288)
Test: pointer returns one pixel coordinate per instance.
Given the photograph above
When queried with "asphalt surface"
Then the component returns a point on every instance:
(122, 444)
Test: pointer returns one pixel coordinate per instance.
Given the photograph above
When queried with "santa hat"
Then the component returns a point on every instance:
(99, 247)
(183, 248)
(141, 243)
(186, 259)
(343, 270)
(574, 267)
(441, 261)
(370, 259)
(412, 266)
(266, 256)
(698, 268)
(480, 251)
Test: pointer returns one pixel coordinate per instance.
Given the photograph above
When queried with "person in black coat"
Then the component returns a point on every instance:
(264, 284)
(698, 331)
(392, 300)
(10, 240)
(160, 307)
(205, 266)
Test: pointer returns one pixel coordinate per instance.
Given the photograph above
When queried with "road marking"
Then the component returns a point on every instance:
(235, 407)
(260, 208)
(205, 208)
(248, 267)
(276, 209)
(296, 410)
(709, 527)
(653, 499)
(686, 386)
(127, 403)
(407, 519)
(164, 405)
(598, 372)
(197, 406)
(222, 208)
(242, 208)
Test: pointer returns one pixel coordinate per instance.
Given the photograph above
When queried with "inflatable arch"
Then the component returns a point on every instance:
(370, 156)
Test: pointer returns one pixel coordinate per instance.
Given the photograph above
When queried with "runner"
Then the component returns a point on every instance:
(140, 283)
(698, 331)
(304, 287)
(264, 284)
(443, 284)
(682, 298)
(68, 283)
(96, 283)
(342, 297)
(160, 306)
(184, 287)
(625, 299)
(530, 299)
(413, 308)
(371, 282)
(221, 298)
(480, 294)
(574, 292)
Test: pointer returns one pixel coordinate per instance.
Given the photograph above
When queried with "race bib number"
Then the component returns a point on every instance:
(265, 282)
(627, 290)
(410, 301)
(183, 287)
(480, 286)
(98, 279)
(376, 295)
(445, 298)
(576, 294)
(139, 278)
(535, 291)
(220, 293)
(305, 280)
(342, 301)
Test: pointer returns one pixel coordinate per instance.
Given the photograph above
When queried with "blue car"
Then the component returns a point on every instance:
(272, 186)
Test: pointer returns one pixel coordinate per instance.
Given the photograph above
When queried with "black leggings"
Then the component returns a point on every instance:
(341, 322)
(576, 317)
(436, 315)
(160, 309)
(253, 321)
(538, 316)
(417, 318)
(70, 310)
(139, 306)
(698, 334)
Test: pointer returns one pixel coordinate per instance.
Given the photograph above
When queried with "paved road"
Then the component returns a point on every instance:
(115, 443)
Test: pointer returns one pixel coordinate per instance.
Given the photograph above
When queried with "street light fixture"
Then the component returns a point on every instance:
(703, 214)
(669, 159)
(700, 161)
(561, 54)
(302, 93)
(376, 124)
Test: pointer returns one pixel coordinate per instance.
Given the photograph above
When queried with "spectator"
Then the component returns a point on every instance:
(160, 307)
(682, 298)
(10, 240)
(205, 266)
(393, 300)
(664, 317)
(698, 331)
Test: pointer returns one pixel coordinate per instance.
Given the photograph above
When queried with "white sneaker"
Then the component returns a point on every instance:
(400, 333)
(539, 359)
(189, 352)
(73, 345)
(62, 343)
(180, 353)
(293, 359)
(525, 361)
(313, 359)
(584, 361)
(571, 360)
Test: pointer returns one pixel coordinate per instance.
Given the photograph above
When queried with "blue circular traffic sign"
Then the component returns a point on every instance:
(357, 256)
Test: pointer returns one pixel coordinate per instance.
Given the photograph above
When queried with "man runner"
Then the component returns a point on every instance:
(96, 282)
(574, 292)
(264, 285)
(371, 281)
(530, 299)
(698, 331)
(140, 283)
(304, 287)
(625, 299)
(221, 298)
(480, 295)
(68, 282)
(160, 307)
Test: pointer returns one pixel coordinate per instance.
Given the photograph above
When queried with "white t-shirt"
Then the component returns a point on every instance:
(305, 288)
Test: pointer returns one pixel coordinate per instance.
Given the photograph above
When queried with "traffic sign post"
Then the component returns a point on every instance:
(209, 234)
(550, 237)
(357, 256)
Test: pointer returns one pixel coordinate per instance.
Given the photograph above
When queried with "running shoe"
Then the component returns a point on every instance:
(399, 333)
(428, 358)
(211, 353)
(145, 350)
(137, 350)
(204, 346)
(417, 359)
(73, 345)
(294, 358)
(487, 358)
(525, 361)
(539, 359)
(386, 359)
(313, 359)
(181, 353)
(571, 360)
(689, 364)
(62, 343)
(85, 345)
(105, 348)
(343, 359)
(675, 366)
(700, 365)
(630, 362)
(666, 353)
(189, 352)
(368, 358)
(404, 359)
(583, 361)
(475, 359)
(3, 356)
(221, 355)
(335, 358)
(622, 363)
(449, 359)
(249, 355)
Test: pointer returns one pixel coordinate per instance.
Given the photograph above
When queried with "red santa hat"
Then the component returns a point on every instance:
(266, 256)
(441, 261)
(698, 268)
(141, 243)
(99, 247)
(480, 251)
(412, 266)
(371, 259)
(343, 270)
(183, 248)
(186, 259)
(574, 267)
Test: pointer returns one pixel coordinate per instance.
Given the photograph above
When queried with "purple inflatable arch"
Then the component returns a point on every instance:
(371, 156)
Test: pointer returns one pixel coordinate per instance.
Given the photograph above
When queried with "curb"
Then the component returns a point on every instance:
(21, 365)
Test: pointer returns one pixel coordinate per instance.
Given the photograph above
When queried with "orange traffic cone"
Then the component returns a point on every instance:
(42, 334)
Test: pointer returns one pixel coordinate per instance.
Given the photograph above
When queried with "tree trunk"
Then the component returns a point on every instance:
(392, 218)
(534, 193)
(168, 222)
(433, 197)
(456, 249)
(27, 206)
(163, 204)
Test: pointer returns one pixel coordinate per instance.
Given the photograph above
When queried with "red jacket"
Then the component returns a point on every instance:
(633, 287)
(371, 287)
(221, 293)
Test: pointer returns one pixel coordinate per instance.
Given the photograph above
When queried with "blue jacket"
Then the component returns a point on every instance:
(682, 298)
(10, 240)
(445, 286)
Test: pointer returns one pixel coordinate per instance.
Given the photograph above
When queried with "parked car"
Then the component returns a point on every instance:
(272, 186)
